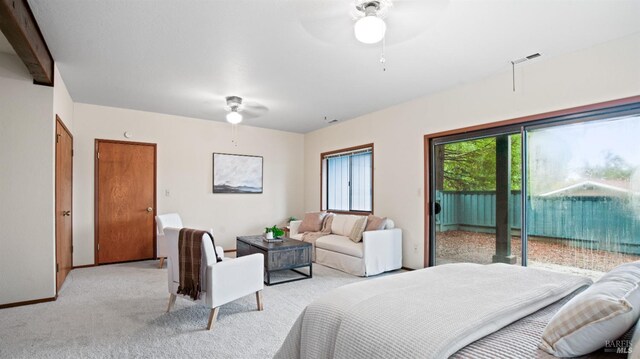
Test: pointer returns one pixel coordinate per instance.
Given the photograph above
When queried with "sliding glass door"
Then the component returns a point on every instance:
(477, 187)
(583, 194)
(560, 193)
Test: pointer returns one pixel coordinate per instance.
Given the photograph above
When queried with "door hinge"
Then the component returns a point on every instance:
(57, 267)
(72, 152)
(72, 248)
(57, 137)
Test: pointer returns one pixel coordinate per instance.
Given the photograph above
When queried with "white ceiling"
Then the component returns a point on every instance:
(5, 46)
(299, 57)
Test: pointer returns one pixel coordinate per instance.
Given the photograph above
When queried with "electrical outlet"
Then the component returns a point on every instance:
(415, 248)
(167, 193)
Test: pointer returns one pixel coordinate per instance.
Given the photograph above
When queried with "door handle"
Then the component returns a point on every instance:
(437, 208)
(66, 213)
(149, 209)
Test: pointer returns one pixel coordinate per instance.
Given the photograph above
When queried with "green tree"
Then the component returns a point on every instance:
(471, 165)
(614, 168)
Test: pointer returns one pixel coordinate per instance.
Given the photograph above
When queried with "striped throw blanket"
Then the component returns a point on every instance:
(189, 262)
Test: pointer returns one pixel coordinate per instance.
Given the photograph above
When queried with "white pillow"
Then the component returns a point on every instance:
(604, 311)
(343, 224)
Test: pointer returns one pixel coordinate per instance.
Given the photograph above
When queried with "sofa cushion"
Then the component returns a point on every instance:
(297, 236)
(389, 224)
(375, 223)
(343, 224)
(341, 244)
(312, 222)
(358, 228)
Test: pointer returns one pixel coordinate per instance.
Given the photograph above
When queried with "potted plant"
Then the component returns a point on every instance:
(273, 232)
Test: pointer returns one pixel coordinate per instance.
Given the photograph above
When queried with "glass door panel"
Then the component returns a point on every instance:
(477, 190)
(583, 195)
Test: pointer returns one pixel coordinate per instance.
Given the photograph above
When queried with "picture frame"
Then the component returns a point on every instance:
(235, 173)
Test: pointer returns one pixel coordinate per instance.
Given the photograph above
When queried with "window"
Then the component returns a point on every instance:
(561, 193)
(347, 179)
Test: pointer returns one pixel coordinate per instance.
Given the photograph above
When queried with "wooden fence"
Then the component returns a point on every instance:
(607, 223)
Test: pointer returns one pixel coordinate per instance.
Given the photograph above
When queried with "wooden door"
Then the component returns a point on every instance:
(64, 214)
(125, 201)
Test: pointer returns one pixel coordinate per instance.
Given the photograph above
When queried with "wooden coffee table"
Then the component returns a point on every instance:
(289, 254)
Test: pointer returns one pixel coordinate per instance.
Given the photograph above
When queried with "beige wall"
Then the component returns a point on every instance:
(62, 102)
(604, 72)
(185, 148)
(27, 247)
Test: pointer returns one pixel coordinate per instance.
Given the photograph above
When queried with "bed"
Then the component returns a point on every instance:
(456, 310)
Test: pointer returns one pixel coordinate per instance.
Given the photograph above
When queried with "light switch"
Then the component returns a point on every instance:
(167, 193)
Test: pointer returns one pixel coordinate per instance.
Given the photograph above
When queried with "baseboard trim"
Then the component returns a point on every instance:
(84, 266)
(28, 302)
(229, 250)
(407, 268)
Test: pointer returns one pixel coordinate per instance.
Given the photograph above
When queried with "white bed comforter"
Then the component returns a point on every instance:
(428, 313)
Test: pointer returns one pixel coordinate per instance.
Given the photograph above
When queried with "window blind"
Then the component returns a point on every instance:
(349, 181)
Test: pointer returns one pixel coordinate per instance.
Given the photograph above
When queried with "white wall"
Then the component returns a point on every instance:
(27, 242)
(604, 72)
(184, 165)
(62, 102)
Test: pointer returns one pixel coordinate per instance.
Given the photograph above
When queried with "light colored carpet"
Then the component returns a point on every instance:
(118, 311)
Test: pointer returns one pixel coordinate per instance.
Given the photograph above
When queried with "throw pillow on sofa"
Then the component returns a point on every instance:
(342, 224)
(312, 222)
(358, 228)
(375, 223)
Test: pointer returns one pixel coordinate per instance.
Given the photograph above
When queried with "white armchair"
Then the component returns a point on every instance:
(172, 220)
(163, 221)
(221, 282)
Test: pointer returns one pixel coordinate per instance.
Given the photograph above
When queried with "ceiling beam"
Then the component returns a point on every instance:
(20, 28)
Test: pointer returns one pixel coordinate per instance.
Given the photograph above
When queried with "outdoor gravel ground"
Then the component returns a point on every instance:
(458, 246)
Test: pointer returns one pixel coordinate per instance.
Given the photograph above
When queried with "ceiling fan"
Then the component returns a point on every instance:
(370, 27)
(396, 21)
(237, 110)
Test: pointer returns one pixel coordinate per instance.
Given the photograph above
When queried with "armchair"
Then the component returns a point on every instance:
(163, 221)
(221, 282)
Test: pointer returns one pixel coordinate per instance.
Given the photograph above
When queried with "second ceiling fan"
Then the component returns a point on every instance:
(238, 111)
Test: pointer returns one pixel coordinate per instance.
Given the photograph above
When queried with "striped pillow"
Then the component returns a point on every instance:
(357, 229)
(602, 313)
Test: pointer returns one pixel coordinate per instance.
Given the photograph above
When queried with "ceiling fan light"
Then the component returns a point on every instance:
(234, 117)
(370, 29)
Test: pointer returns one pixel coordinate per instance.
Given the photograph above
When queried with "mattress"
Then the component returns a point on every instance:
(428, 313)
(520, 339)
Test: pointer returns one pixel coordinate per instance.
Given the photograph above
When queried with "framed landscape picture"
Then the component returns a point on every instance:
(237, 173)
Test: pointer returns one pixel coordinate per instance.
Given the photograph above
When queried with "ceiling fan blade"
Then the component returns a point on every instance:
(409, 19)
(332, 22)
(332, 30)
(316, 9)
(253, 110)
